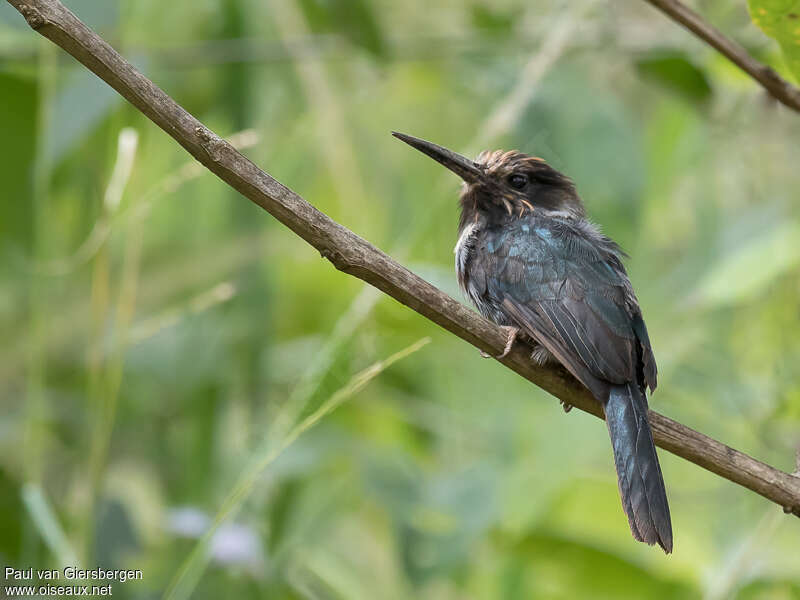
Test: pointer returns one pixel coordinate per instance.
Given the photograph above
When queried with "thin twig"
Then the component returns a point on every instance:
(353, 255)
(780, 89)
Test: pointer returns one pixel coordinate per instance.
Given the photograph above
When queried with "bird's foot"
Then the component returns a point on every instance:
(512, 335)
(566, 406)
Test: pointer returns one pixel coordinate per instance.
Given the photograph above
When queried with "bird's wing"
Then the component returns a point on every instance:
(568, 295)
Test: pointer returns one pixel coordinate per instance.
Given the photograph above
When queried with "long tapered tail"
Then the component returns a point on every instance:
(641, 484)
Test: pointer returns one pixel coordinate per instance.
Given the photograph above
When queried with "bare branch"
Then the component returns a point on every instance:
(355, 256)
(780, 89)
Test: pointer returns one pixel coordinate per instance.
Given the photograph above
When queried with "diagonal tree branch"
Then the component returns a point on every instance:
(780, 89)
(355, 256)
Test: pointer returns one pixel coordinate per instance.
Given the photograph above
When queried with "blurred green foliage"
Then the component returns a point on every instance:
(161, 335)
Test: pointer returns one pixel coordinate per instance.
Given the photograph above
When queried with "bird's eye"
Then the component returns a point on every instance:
(518, 181)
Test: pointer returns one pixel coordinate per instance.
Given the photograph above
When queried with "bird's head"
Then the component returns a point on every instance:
(502, 185)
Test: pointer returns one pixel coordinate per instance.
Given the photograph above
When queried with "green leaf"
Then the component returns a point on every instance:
(569, 568)
(674, 70)
(752, 267)
(353, 19)
(764, 589)
(491, 21)
(780, 20)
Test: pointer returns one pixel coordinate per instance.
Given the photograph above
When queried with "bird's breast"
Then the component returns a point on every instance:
(465, 246)
(471, 272)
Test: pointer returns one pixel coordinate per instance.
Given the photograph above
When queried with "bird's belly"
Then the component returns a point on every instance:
(472, 281)
(476, 293)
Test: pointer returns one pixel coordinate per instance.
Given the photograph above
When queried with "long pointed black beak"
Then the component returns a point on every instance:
(468, 170)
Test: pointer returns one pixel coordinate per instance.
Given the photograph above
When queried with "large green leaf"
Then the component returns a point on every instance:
(544, 565)
(752, 267)
(780, 20)
(675, 70)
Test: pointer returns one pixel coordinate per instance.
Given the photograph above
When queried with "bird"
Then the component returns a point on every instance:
(531, 261)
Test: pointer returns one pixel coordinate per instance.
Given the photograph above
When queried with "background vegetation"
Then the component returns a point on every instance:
(161, 336)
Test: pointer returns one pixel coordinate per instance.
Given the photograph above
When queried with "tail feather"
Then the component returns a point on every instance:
(641, 484)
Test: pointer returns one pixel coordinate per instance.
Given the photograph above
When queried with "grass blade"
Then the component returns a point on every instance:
(46, 522)
(192, 568)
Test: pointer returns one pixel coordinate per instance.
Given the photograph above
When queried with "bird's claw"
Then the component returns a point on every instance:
(566, 406)
(512, 336)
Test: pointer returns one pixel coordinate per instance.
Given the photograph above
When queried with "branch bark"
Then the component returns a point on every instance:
(355, 256)
(780, 89)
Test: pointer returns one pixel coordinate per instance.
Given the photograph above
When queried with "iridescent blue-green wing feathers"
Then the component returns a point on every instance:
(565, 286)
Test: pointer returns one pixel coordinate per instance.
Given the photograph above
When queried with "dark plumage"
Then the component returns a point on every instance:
(529, 259)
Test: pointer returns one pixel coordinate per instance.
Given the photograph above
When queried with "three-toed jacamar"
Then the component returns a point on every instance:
(531, 261)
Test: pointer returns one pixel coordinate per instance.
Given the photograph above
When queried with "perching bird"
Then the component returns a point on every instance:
(530, 260)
